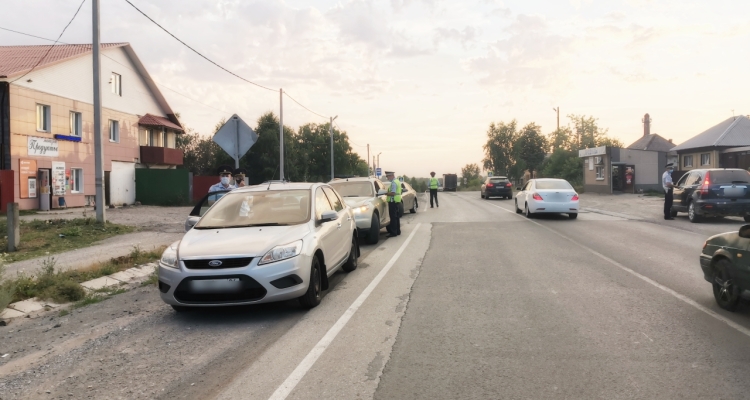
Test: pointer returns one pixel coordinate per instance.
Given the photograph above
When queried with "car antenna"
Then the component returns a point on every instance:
(270, 181)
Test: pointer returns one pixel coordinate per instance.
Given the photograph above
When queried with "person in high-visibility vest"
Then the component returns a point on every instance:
(434, 184)
(393, 198)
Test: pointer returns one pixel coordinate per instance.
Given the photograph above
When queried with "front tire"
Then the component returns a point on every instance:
(374, 234)
(726, 293)
(312, 297)
(414, 207)
(351, 262)
(692, 213)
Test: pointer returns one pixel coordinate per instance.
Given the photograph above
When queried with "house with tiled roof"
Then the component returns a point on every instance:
(724, 145)
(47, 124)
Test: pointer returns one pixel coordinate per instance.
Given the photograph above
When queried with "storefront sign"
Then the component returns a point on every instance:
(58, 178)
(27, 172)
(31, 187)
(596, 151)
(46, 147)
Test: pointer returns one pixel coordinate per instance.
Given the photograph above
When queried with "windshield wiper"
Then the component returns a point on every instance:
(240, 226)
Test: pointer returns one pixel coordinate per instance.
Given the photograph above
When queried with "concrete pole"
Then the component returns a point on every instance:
(98, 142)
(237, 131)
(281, 134)
(330, 131)
(14, 231)
(368, 159)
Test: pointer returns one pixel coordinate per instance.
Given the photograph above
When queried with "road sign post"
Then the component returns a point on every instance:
(236, 138)
(378, 172)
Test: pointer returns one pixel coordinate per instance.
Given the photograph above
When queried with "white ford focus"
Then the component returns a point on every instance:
(547, 196)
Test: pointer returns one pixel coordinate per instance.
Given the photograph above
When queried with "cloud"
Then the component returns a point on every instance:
(466, 36)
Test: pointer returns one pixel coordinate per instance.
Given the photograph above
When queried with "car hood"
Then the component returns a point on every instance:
(251, 241)
(728, 239)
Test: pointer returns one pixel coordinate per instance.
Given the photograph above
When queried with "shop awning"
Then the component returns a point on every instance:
(154, 120)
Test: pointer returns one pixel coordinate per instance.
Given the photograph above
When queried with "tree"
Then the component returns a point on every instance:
(562, 138)
(530, 147)
(564, 164)
(499, 156)
(470, 172)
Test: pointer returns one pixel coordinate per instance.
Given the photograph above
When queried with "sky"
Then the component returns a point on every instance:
(420, 81)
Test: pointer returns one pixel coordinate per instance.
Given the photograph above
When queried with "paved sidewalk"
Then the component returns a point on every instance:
(102, 251)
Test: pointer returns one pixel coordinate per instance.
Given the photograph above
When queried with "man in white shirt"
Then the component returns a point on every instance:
(666, 183)
(225, 174)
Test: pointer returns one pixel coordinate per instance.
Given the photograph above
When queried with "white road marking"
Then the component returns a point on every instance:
(685, 299)
(296, 376)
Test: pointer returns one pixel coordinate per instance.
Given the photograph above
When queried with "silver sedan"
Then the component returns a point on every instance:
(261, 244)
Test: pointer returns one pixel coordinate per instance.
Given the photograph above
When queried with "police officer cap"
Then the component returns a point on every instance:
(225, 169)
(240, 171)
(669, 165)
(390, 173)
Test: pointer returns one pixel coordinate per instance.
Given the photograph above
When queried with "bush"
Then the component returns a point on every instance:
(64, 291)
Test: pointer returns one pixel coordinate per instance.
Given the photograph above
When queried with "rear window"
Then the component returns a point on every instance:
(729, 176)
(499, 180)
(553, 185)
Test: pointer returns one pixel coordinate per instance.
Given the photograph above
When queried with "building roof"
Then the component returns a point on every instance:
(153, 120)
(732, 132)
(652, 142)
(18, 60)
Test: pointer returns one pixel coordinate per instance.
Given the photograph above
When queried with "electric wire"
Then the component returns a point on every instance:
(123, 65)
(53, 44)
(350, 140)
(300, 104)
(196, 51)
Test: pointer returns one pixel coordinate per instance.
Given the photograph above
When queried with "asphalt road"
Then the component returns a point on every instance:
(472, 301)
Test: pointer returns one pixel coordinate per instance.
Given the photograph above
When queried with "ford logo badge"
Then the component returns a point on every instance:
(214, 263)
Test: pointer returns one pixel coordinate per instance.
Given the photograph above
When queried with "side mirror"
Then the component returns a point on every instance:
(190, 223)
(518, 188)
(745, 231)
(328, 216)
(382, 192)
(404, 190)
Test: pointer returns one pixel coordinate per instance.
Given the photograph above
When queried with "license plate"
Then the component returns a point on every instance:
(216, 285)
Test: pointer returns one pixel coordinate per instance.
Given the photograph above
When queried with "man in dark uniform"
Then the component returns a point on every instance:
(666, 183)
(225, 173)
(393, 198)
(239, 177)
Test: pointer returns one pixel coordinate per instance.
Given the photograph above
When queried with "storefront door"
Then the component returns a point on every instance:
(45, 189)
(618, 176)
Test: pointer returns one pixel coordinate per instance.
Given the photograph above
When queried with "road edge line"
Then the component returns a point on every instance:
(296, 376)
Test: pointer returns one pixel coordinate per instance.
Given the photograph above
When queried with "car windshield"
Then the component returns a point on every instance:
(266, 208)
(354, 189)
(553, 185)
(729, 176)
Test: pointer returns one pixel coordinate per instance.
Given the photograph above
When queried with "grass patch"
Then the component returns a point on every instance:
(64, 286)
(654, 193)
(45, 237)
(63, 313)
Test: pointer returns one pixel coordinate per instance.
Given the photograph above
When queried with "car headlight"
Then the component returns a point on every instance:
(359, 210)
(169, 257)
(282, 252)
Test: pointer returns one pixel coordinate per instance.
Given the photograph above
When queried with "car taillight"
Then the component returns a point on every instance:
(574, 198)
(706, 182)
(490, 185)
(508, 184)
(538, 197)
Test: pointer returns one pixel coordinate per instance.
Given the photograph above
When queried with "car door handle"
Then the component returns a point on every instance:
(338, 225)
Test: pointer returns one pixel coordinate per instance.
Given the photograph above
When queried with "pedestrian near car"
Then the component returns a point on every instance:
(434, 183)
(666, 183)
(225, 176)
(239, 177)
(394, 202)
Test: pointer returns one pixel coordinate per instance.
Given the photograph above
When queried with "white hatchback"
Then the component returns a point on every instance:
(547, 196)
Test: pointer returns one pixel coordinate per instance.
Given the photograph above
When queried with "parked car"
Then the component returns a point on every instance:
(725, 261)
(409, 199)
(260, 244)
(547, 196)
(366, 197)
(713, 193)
(498, 186)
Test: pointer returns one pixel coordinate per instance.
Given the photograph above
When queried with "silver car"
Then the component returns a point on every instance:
(366, 197)
(409, 200)
(261, 244)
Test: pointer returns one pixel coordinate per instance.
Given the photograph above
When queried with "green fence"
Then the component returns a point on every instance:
(162, 187)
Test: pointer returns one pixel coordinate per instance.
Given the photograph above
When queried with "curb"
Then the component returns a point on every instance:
(31, 308)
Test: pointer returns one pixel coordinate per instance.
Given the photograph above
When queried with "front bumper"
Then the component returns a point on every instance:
(708, 272)
(363, 220)
(234, 286)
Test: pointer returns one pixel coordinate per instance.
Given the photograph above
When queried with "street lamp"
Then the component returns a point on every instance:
(330, 129)
(379, 158)
(557, 110)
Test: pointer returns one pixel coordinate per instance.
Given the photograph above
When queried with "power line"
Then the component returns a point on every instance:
(300, 104)
(196, 51)
(126, 66)
(53, 44)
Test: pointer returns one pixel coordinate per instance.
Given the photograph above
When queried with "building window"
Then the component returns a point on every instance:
(164, 138)
(687, 161)
(153, 138)
(76, 124)
(114, 131)
(706, 159)
(116, 84)
(599, 173)
(76, 180)
(43, 118)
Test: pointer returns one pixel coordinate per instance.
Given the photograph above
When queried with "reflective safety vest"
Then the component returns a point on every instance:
(434, 183)
(397, 197)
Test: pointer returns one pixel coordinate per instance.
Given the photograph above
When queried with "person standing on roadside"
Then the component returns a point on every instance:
(434, 183)
(666, 183)
(394, 200)
(225, 174)
(239, 177)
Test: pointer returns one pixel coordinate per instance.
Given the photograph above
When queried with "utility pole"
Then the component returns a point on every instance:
(558, 117)
(379, 158)
(368, 159)
(98, 143)
(281, 134)
(330, 130)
